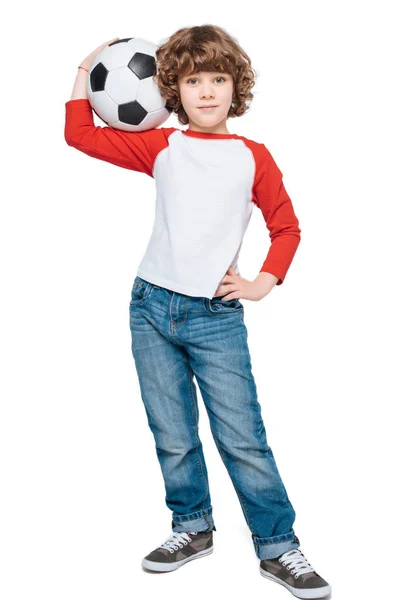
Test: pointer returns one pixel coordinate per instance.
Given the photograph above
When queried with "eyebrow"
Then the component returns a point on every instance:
(209, 72)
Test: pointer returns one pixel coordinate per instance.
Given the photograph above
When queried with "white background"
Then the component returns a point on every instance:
(82, 497)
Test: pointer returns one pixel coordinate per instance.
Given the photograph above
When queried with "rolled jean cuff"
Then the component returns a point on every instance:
(201, 520)
(274, 546)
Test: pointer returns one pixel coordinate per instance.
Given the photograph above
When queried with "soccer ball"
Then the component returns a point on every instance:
(121, 89)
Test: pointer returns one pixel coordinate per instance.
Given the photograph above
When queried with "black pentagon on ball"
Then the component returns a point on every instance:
(120, 41)
(143, 65)
(98, 78)
(132, 113)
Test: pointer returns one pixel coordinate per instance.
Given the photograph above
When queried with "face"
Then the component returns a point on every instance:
(205, 88)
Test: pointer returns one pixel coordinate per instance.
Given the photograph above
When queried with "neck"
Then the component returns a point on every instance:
(218, 128)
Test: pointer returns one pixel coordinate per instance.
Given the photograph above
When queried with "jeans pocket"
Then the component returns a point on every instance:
(141, 290)
(218, 306)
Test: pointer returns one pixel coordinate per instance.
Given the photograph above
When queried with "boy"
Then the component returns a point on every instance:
(185, 319)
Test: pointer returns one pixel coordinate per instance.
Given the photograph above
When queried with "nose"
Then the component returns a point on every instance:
(207, 91)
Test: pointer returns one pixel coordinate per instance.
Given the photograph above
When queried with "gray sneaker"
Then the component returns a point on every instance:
(178, 549)
(293, 570)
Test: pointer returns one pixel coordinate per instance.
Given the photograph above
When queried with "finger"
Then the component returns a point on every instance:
(223, 289)
(228, 279)
(227, 292)
(219, 292)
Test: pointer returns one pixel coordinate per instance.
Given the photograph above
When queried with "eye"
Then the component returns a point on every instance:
(195, 79)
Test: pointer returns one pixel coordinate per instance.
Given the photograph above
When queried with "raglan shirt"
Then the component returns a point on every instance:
(206, 187)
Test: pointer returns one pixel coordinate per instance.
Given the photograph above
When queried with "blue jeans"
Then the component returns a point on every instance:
(174, 337)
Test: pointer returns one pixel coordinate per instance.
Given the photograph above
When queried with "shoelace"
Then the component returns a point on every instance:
(297, 560)
(175, 541)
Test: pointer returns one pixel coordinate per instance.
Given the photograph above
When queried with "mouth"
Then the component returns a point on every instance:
(206, 108)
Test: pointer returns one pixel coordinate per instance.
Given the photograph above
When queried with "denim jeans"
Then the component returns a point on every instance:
(174, 338)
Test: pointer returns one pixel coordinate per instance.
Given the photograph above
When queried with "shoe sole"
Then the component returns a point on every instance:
(299, 593)
(166, 567)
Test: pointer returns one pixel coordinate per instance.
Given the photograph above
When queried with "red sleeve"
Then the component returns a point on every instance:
(270, 195)
(131, 150)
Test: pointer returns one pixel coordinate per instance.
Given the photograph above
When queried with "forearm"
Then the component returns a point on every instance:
(79, 89)
(265, 282)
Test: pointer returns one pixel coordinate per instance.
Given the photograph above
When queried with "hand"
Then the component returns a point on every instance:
(87, 62)
(239, 287)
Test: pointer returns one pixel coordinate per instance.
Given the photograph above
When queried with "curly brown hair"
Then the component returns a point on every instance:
(203, 48)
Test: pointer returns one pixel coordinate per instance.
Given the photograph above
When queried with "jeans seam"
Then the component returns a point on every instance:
(194, 412)
(241, 499)
(185, 318)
